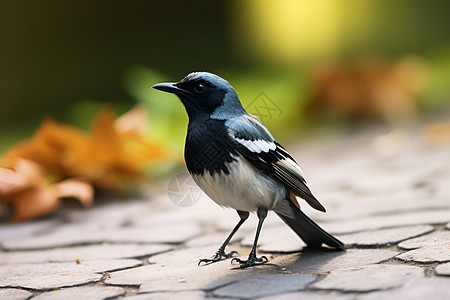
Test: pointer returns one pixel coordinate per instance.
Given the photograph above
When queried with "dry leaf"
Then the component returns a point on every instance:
(34, 202)
(72, 188)
(133, 121)
(10, 181)
(371, 89)
(437, 134)
(53, 147)
(114, 153)
(33, 196)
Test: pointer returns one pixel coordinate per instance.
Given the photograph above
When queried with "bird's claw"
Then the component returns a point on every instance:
(218, 256)
(230, 254)
(251, 261)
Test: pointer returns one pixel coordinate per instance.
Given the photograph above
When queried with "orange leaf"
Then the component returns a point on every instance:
(438, 133)
(34, 202)
(54, 146)
(133, 121)
(10, 181)
(32, 196)
(25, 174)
(114, 152)
(72, 188)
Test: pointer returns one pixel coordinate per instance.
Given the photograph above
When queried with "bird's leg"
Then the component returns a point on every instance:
(252, 258)
(220, 254)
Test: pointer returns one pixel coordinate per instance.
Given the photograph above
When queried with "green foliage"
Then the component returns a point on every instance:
(167, 120)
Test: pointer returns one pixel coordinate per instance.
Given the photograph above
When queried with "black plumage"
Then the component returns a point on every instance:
(237, 163)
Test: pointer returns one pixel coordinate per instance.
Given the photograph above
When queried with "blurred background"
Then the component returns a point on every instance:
(304, 67)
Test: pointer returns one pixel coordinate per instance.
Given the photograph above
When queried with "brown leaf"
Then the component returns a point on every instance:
(34, 202)
(111, 156)
(370, 89)
(72, 188)
(134, 121)
(55, 147)
(33, 196)
(438, 133)
(10, 181)
(25, 174)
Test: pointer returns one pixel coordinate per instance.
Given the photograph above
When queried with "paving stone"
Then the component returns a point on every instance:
(161, 275)
(213, 239)
(265, 285)
(183, 257)
(411, 196)
(83, 292)
(227, 219)
(93, 252)
(429, 254)
(111, 214)
(23, 230)
(134, 277)
(14, 294)
(204, 211)
(369, 278)
(436, 288)
(79, 234)
(109, 265)
(179, 278)
(342, 205)
(58, 275)
(191, 295)
(443, 269)
(311, 296)
(316, 261)
(178, 271)
(389, 181)
(384, 237)
(275, 239)
(45, 276)
(433, 247)
(434, 238)
(387, 221)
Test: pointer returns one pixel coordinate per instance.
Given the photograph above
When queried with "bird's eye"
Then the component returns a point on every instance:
(199, 88)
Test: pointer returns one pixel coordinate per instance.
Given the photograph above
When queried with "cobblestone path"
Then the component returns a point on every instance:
(387, 197)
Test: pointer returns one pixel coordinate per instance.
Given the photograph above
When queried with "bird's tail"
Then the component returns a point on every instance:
(311, 233)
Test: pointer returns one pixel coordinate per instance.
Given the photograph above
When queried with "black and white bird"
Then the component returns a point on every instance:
(236, 161)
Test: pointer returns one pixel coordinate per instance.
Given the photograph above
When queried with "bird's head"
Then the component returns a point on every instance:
(205, 95)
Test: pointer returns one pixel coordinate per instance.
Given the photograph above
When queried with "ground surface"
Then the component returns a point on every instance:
(388, 198)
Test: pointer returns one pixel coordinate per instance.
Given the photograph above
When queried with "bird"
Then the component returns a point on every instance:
(237, 162)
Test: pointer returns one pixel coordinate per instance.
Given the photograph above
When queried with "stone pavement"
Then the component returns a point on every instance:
(388, 199)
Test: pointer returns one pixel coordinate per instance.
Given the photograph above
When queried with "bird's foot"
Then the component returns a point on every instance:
(251, 261)
(218, 256)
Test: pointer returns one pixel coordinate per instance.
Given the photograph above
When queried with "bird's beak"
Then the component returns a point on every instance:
(170, 87)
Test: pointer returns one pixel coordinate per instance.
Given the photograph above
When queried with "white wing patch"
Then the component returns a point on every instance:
(257, 146)
(291, 166)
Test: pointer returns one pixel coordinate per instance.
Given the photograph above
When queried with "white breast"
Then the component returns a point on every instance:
(245, 188)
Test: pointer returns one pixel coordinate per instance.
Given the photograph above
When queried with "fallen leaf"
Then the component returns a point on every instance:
(34, 202)
(134, 121)
(10, 181)
(114, 153)
(437, 134)
(370, 89)
(72, 188)
(24, 174)
(61, 161)
(54, 147)
(32, 195)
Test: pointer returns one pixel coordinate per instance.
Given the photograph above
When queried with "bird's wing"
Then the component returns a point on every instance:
(255, 143)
